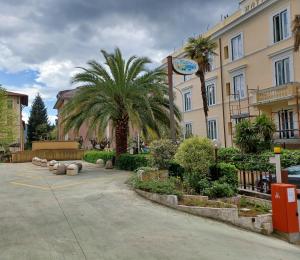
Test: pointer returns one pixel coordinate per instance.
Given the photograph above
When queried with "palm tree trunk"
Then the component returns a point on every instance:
(200, 74)
(121, 136)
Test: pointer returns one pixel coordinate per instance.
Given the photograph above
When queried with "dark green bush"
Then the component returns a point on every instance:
(167, 186)
(228, 174)
(219, 190)
(131, 162)
(228, 153)
(93, 156)
(175, 170)
(162, 152)
(195, 182)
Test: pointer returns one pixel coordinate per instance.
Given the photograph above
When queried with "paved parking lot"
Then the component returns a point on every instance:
(96, 216)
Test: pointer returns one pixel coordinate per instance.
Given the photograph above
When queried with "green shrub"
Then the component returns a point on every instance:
(195, 183)
(93, 156)
(131, 162)
(228, 153)
(219, 190)
(228, 174)
(162, 152)
(176, 170)
(195, 155)
(256, 136)
(167, 186)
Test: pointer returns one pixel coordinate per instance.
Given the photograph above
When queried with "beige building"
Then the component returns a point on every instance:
(256, 71)
(17, 101)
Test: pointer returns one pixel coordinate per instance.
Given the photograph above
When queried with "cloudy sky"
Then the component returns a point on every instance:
(42, 41)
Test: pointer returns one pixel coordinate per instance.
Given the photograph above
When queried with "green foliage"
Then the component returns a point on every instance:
(258, 162)
(162, 152)
(228, 173)
(175, 170)
(195, 155)
(219, 190)
(131, 162)
(252, 137)
(38, 125)
(93, 156)
(166, 186)
(228, 152)
(8, 121)
(119, 92)
(196, 183)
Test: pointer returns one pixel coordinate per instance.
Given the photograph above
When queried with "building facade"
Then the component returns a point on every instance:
(255, 71)
(16, 102)
(63, 97)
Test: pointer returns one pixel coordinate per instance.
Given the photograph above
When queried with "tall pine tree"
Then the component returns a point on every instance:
(38, 125)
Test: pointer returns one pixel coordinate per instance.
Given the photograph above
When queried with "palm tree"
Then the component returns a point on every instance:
(296, 31)
(121, 93)
(201, 49)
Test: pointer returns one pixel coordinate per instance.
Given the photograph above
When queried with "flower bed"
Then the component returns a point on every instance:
(218, 210)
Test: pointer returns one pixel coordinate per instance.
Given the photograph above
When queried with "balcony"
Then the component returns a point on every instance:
(276, 94)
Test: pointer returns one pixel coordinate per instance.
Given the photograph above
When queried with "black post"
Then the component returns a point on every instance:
(171, 99)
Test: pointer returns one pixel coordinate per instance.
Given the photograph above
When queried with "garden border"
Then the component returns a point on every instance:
(261, 224)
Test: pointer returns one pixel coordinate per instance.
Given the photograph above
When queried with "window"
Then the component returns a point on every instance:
(188, 130)
(187, 101)
(282, 71)
(286, 124)
(226, 52)
(211, 61)
(211, 94)
(239, 86)
(212, 129)
(237, 47)
(280, 26)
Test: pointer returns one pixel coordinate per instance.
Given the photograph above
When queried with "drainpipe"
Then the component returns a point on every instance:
(222, 88)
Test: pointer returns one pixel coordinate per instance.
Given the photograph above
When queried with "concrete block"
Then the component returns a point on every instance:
(109, 165)
(44, 162)
(100, 163)
(72, 170)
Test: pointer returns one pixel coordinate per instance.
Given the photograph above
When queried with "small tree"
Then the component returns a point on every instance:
(162, 152)
(196, 155)
(38, 125)
(252, 137)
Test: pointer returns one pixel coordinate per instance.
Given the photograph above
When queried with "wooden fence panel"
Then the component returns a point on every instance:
(59, 155)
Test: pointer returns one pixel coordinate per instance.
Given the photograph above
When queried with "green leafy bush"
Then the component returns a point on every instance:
(93, 156)
(166, 186)
(228, 174)
(176, 170)
(228, 153)
(256, 136)
(131, 162)
(195, 183)
(219, 190)
(162, 152)
(195, 155)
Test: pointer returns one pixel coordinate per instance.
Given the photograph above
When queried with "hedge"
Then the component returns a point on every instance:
(257, 162)
(129, 162)
(93, 156)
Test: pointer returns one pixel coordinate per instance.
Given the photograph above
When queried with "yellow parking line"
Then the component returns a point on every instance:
(67, 185)
(30, 186)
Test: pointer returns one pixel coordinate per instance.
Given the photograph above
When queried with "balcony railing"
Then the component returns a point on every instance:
(278, 93)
